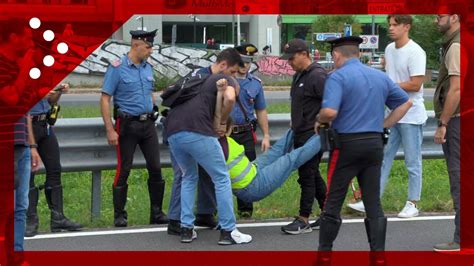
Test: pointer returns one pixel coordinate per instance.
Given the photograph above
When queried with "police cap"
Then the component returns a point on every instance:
(146, 36)
(293, 47)
(348, 40)
(247, 52)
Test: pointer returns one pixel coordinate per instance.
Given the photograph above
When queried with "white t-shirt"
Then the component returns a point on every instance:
(400, 65)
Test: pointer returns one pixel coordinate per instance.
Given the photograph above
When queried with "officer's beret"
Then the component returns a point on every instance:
(146, 36)
(348, 40)
(247, 52)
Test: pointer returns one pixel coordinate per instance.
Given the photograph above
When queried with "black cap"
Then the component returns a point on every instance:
(146, 36)
(348, 40)
(293, 47)
(247, 52)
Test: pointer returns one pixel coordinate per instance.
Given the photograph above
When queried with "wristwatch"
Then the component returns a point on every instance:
(442, 124)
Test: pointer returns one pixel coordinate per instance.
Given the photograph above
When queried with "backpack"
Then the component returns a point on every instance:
(183, 90)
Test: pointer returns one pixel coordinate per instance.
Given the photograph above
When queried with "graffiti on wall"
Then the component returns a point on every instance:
(172, 62)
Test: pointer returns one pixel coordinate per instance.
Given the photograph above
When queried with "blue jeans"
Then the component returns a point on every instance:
(205, 203)
(275, 166)
(411, 137)
(22, 170)
(190, 149)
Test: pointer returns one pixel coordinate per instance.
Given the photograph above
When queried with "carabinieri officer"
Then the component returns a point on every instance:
(354, 99)
(130, 82)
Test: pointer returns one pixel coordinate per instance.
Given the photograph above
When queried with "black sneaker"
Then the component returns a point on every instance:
(298, 226)
(205, 220)
(233, 237)
(188, 235)
(315, 225)
(174, 228)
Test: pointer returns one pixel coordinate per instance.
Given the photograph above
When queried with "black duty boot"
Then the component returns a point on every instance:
(120, 199)
(376, 231)
(59, 222)
(328, 232)
(174, 227)
(157, 191)
(32, 221)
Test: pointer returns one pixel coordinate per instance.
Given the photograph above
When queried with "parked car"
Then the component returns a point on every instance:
(434, 75)
(377, 61)
(328, 65)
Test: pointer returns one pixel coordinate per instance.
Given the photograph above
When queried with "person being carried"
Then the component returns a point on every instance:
(254, 180)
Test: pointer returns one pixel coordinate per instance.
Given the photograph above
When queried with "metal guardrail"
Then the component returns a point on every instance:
(83, 147)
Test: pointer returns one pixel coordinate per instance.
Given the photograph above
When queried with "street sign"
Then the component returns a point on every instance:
(321, 37)
(226, 45)
(347, 30)
(369, 42)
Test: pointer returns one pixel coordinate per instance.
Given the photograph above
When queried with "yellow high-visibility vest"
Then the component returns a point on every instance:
(241, 170)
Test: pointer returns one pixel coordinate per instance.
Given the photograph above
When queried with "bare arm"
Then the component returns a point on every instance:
(327, 115)
(54, 95)
(112, 136)
(412, 85)
(262, 118)
(452, 99)
(450, 106)
(397, 114)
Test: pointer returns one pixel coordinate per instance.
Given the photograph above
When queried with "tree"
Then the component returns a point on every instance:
(425, 32)
(333, 23)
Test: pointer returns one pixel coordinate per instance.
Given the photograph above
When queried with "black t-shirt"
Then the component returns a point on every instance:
(197, 114)
(306, 97)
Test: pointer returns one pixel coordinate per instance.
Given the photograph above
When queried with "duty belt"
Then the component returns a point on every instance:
(359, 136)
(142, 117)
(241, 128)
(39, 118)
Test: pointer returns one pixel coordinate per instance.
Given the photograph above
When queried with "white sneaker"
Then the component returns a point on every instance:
(234, 237)
(358, 206)
(409, 210)
(240, 238)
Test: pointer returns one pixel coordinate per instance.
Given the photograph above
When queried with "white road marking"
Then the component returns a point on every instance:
(163, 229)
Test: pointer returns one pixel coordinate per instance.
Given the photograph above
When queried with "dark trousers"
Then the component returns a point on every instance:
(48, 150)
(311, 182)
(133, 133)
(452, 153)
(361, 158)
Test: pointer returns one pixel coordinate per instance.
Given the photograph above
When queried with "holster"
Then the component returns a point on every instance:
(385, 135)
(53, 114)
(329, 139)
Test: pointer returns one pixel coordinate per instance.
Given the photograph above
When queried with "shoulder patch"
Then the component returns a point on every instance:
(116, 63)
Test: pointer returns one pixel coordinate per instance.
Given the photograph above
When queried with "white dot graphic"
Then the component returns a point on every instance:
(35, 23)
(62, 48)
(48, 60)
(48, 35)
(35, 73)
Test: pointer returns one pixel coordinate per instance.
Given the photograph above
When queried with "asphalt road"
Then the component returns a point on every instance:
(270, 97)
(417, 234)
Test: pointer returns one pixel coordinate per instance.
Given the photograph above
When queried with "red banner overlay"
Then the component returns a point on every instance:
(83, 27)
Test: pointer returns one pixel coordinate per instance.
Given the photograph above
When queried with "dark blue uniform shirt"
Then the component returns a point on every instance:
(130, 85)
(252, 97)
(41, 107)
(359, 94)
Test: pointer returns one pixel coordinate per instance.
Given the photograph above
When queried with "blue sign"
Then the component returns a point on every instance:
(347, 30)
(321, 37)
